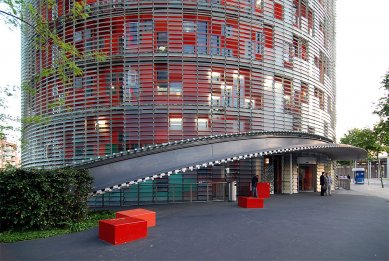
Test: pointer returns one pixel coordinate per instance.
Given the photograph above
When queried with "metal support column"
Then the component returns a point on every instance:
(368, 172)
(387, 167)
(291, 173)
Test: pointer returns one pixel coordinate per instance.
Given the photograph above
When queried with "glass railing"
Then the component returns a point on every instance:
(148, 193)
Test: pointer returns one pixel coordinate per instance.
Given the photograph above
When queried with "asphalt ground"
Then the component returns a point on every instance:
(350, 225)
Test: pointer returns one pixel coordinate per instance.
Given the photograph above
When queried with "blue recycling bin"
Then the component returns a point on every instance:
(360, 177)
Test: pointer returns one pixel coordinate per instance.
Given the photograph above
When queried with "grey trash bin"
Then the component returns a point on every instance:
(232, 191)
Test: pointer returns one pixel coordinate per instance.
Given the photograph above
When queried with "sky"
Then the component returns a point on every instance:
(362, 47)
(362, 41)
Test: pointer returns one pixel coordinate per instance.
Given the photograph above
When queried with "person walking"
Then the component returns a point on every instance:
(329, 183)
(254, 182)
(322, 184)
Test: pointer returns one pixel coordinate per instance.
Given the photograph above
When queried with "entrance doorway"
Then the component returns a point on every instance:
(306, 178)
(277, 174)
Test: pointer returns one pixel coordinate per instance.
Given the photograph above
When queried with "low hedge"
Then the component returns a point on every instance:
(41, 199)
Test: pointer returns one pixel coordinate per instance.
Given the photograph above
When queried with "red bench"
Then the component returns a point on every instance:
(140, 213)
(122, 230)
(250, 202)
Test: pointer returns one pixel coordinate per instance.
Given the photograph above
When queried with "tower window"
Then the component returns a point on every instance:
(189, 49)
(162, 81)
(162, 42)
(188, 26)
(227, 30)
(215, 44)
(176, 88)
(202, 124)
(175, 124)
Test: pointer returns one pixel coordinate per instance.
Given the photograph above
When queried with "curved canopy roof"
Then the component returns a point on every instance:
(342, 152)
(124, 169)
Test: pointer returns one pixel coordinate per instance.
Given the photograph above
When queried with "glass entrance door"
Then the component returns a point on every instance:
(306, 177)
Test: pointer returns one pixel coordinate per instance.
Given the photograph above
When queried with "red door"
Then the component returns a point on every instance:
(306, 178)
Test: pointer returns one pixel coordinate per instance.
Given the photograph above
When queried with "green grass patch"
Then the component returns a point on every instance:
(91, 222)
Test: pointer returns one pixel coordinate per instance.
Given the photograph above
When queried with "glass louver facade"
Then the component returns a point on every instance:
(180, 69)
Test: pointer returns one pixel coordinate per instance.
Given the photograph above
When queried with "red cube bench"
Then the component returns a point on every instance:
(263, 189)
(122, 230)
(140, 213)
(250, 202)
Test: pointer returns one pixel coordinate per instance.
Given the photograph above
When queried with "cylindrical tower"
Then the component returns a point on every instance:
(180, 69)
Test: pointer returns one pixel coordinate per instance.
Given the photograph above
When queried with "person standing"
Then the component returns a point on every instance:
(254, 182)
(329, 183)
(322, 184)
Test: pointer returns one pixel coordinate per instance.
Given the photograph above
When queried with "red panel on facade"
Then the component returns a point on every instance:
(278, 11)
(161, 26)
(268, 31)
(190, 39)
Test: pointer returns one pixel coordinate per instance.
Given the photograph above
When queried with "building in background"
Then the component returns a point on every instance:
(178, 70)
(8, 154)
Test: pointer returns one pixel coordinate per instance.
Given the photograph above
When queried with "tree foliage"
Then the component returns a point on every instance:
(382, 128)
(382, 133)
(365, 139)
(32, 20)
(7, 120)
(22, 13)
(383, 104)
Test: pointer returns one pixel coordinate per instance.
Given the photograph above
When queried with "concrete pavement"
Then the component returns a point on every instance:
(350, 225)
(371, 187)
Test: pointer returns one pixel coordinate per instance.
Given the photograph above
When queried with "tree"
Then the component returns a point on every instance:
(363, 138)
(383, 105)
(32, 20)
(382, 128)
(6, 119)
(366, 139)
(382, 133)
